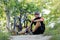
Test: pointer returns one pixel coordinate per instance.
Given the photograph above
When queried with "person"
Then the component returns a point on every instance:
(39, 27)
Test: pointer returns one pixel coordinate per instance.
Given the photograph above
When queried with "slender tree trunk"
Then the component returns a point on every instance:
(8, 20)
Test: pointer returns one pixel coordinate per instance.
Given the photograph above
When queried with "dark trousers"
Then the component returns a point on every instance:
(40, 30)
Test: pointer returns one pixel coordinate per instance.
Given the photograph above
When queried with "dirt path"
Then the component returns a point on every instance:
(30, 37)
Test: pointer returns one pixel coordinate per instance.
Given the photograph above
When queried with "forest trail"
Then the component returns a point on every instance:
(30, 37)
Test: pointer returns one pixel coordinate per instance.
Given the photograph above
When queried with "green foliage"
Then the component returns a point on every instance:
(4, 36)
(55, 37)
(57, 26)
(54, 32)
(14, 7)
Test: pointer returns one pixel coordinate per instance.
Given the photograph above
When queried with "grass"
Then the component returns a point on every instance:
(4, 36)
(55, 37)
(54, 32)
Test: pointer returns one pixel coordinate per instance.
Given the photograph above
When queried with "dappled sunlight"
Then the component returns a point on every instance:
(16, 15)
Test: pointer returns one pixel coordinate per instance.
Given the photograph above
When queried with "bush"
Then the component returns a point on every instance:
(4, 36)
(54, 32)
(55, 37)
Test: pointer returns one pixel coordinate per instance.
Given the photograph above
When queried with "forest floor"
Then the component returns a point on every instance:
(30, 37)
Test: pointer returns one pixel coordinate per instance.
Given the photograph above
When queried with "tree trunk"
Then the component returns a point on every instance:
(8, 20)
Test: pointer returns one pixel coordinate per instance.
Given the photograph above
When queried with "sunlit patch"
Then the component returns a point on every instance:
(46, 11)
